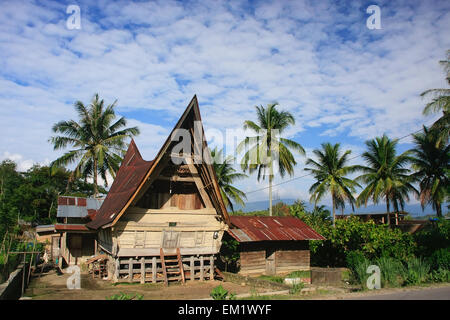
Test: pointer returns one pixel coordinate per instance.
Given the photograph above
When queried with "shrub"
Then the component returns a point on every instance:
(440, 275)
(369, 238)
(440, 259)
(358, 263)
(393, 272)
(417, 271)
(124, 296)
(433, 237)
(219, 293)
(296, 288)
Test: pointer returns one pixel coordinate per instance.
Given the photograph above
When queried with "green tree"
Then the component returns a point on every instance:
(98, 141)
(226, 175)
(267, 148)
(330, 171)
(386, 174)
(440, 102)
(431, 162)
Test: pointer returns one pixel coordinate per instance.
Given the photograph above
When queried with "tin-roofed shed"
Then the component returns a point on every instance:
(272, 245)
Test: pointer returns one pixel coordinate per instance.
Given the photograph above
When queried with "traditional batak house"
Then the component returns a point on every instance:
(164, 217)
(272, 245)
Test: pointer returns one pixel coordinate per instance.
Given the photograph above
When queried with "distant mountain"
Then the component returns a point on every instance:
(413, 209)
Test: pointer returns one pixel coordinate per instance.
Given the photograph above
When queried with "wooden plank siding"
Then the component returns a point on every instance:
(289, 256)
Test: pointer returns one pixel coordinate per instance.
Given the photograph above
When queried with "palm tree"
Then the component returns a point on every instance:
(226, 175)
(386, 175)
(431, 162)
(440, 101)
(267, 147)
(98, 142)
(330, 170)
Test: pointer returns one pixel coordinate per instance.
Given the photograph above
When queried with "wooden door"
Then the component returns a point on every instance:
(170, 239)
(270, 261)
(55, 248)
(75, 245)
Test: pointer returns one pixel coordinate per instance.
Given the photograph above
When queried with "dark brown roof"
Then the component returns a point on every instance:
(131, 173)
(255, 228)
(134, 171)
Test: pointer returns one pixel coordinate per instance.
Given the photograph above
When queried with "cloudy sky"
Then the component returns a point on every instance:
(342, 81)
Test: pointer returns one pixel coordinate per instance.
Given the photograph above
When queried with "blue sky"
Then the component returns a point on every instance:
(342, 81)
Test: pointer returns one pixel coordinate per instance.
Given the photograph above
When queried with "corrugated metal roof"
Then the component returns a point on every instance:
(71, 227)
(131, 173)
(77, 207)
(255, 228)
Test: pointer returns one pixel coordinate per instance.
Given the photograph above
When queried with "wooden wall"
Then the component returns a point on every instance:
(190, 230)
(289, 256)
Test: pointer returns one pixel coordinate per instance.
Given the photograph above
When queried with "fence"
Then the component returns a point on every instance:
(149, 269)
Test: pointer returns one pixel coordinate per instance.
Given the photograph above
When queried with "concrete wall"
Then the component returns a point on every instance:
(12, 288)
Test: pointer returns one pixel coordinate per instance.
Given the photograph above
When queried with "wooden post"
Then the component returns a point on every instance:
(142, 270)
(192, 268)
(154, 270)
(211, 267)
(116, 271)
(23, 272)
(201, 268)
(31, 261)
(130, 270)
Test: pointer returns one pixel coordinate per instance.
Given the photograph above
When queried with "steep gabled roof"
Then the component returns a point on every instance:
(128, 178)
(253, 228)
(134, 172)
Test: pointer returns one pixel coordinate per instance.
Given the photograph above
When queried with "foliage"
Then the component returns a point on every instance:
(219, 293)
(440, 102)
(351, 234)
(97, 140)
(440, 259)
(296, 288)
(330, 172)
(433, 237)
(229, 253)
(417, 271)
(124, 296)
(32, 195)
(277, 279)
(358, 263)
(393, 272)
(386, 175)
(226, 175)
(440, 275)
(431, 161)
(268, 148)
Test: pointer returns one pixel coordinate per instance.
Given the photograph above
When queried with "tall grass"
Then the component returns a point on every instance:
(418, 271)
(393, 272)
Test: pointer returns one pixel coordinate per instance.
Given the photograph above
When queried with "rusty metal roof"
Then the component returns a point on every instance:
(131, 173)
(77, 207)
(71, 227)
(255, 228)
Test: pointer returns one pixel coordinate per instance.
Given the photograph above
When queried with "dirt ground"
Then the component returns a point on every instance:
(52, 286)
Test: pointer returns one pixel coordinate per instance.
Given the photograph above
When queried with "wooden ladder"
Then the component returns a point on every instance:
(172, 266)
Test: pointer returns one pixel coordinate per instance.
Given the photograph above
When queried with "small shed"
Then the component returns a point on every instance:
(272, 245)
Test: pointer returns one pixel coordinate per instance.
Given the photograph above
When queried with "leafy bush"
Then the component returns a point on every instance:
(440, 275)
(393, 272)
(124, 296)
(296, 288)
(440, 259)
(417, 271)
(433, 237)
(368, 238)
(219, 293)
(358, 263)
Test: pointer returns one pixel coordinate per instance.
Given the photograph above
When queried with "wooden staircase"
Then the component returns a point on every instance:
(172, 266)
